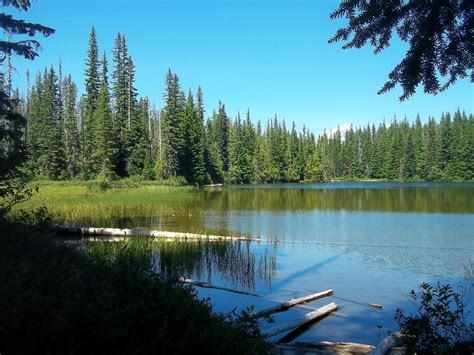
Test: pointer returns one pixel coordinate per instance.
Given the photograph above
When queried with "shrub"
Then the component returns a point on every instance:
(58, 299)
(101, 183)
(440, 326)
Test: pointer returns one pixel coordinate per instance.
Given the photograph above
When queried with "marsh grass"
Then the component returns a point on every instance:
(74, 202)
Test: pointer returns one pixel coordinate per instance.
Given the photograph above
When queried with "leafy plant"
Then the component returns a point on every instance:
(440, 325)
(101, 183)
(13, 190)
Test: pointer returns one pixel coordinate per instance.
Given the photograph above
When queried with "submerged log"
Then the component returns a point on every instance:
(293, 302)
(387, 343)
(306, 319)
(326, 347)
(375, 305)
(91, 231)
(208, 285)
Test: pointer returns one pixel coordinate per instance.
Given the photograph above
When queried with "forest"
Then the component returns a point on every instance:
(112, 132)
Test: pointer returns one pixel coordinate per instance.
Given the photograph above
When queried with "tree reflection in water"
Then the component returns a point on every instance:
(230, 262)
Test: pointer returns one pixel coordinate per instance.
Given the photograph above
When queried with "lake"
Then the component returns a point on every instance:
(370, 242)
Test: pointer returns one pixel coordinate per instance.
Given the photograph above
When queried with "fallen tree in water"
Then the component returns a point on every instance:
(94, 231)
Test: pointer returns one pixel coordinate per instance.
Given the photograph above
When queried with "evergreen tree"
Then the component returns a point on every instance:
(446, 141)
(432, 151)
(247, 162)
(172, 124)
(121, 102)
(420, 146)
(293, 172)
(104, 138)
(197, 141)
(71, 133)
(140, 155)
(92, 85)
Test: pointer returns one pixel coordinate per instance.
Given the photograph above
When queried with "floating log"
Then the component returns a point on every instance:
(387, 343)
(326, 347)
(208, 285)
(293, 302)
(375, 305)
(140, 232)
(306, 319)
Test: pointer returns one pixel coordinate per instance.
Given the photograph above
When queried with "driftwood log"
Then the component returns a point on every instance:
(208, 285)
(388, 343)
(92, 231)
(306, 319)
(293, 302)
(325, 347)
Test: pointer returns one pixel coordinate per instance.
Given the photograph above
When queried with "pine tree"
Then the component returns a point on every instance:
(432, 151)
(197, 141)
(35, 124)
(293, 172)
(140, 154)
(212, 158)
(313, 169)
(121, 106)
(51, 159)
(92, 85)
(420, 147)
(247, 163)
(172, 118)
(104, 138)
(446, 142)
(223, 123)
(71, 133)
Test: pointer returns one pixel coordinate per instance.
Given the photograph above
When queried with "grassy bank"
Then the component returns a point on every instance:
(76, 201)
(60, 299)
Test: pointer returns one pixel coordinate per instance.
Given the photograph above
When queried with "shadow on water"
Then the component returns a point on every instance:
(309, 270)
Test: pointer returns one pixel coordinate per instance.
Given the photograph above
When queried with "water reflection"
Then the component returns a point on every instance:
(219, 262)
(388, 197)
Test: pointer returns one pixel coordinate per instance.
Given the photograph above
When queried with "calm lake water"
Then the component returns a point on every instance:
(369, 242)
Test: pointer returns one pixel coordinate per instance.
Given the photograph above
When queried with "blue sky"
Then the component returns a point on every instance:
(268, 56)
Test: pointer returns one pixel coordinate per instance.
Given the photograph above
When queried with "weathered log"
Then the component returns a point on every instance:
(208, 285)
(293, 302)
(326, 347)
(387, 343)
(375, 305)
(140, 232)
(306, 319)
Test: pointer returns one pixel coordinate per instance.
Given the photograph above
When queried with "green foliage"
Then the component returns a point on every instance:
(438, 36)
(440, 326)
(104, 139)
(133, 139)
(25, 48)
(12, 125)
(104, 300)
(38, 217)
(101, 183)
(14, 189)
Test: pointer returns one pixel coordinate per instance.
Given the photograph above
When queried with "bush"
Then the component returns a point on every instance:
(101, 183)
(440, 326)
(59, 299)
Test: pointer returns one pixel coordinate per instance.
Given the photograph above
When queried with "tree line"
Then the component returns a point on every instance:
(110, 131)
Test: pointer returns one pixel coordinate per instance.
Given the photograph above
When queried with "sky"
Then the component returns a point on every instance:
(271, 57)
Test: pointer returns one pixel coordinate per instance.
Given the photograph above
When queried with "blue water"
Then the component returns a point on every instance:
(366, 255)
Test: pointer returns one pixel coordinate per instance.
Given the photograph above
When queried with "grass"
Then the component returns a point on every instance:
(75, 201)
